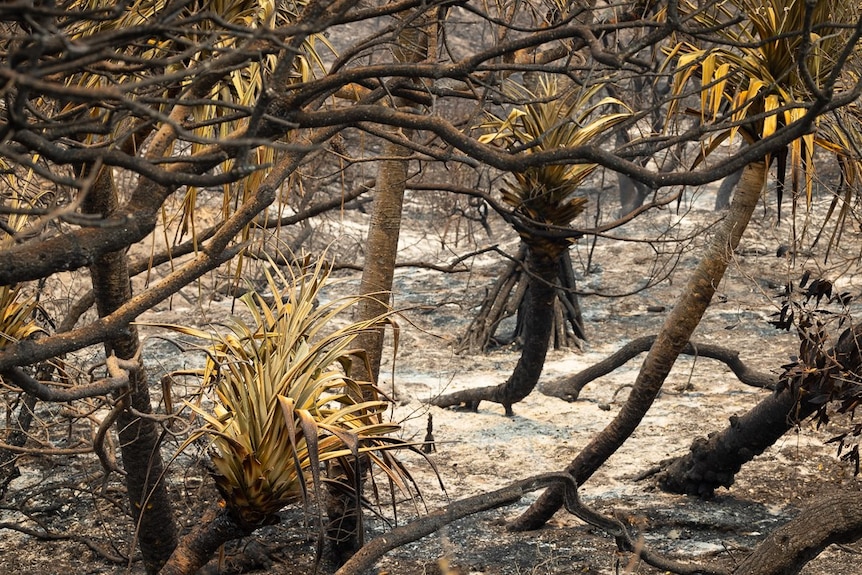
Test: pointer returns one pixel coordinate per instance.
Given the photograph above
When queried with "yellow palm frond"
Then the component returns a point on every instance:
(283, 400)
(551, 119)
(18, 309)
(753, 82)
(214, 115)
(17, 319)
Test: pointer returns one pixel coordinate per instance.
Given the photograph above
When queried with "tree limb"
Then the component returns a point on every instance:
(831, 518)
(17, 376)
(369, 554)
(570, 386)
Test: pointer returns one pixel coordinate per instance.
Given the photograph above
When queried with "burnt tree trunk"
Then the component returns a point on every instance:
(713, 462)
(508, 297)
(215, 528)
(151, 508)
(345, 528)
(538, 327)
(670, 342)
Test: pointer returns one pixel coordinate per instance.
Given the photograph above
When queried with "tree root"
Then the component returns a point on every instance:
(507, 298)
(569, 387)
(470, 398)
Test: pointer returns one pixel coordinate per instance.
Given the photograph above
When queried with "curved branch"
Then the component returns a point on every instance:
(369, 554)
(17, 376)
(211, 256)
(146, 263)
(506, 161)
(833, 518)
(569, 387)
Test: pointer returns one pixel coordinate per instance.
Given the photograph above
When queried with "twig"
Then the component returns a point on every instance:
(108, 461)
(50, 536)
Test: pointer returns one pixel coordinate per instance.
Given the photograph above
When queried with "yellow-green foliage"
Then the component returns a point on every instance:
(755, 81)
(283, 401)
(551, 119)
(17, 310)
(16, 316)
(209, 30)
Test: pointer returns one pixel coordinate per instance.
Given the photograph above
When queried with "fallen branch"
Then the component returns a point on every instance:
(368, 555)
(570, 386)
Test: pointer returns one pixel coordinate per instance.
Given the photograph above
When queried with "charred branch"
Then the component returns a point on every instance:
(570, 387)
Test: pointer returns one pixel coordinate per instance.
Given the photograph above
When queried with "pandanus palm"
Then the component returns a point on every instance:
(787, 57)
(201, 104)
(18, 312)
(763, 79)
(17, 323)
(228, 103)
(544, 202)
(765, 70)
(284, 405)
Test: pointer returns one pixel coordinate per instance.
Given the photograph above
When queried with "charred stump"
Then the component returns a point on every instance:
(714, 461)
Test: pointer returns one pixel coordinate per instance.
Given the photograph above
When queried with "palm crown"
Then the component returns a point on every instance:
(283, 402)
(762, 71)
(549, 120)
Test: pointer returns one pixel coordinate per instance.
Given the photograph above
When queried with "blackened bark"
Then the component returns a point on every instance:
(713, 462)
(150, 503)
(139, 437)
(538, 327)
(671, 340)
(508, 297)
(213, 530)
